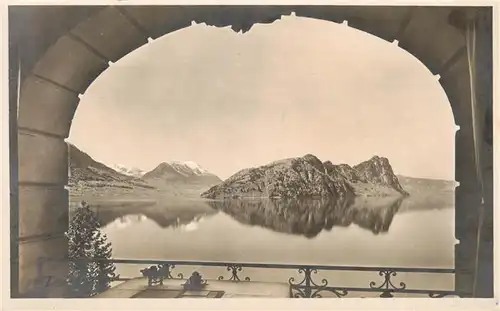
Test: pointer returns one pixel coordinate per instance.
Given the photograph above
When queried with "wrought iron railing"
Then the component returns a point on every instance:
(307, 287)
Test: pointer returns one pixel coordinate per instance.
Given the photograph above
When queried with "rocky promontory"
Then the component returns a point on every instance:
(308, 176)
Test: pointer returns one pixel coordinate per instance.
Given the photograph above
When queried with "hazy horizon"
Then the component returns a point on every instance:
(299, 86)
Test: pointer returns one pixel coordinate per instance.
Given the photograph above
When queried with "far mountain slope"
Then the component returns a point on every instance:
(181, 173)
(85, 172)
(428, 193)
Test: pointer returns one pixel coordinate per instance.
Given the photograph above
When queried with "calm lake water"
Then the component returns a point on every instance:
(383, 232)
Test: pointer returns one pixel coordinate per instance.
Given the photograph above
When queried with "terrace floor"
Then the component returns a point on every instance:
(172, 288)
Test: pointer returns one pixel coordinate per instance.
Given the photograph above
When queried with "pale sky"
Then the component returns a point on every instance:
(228, 101)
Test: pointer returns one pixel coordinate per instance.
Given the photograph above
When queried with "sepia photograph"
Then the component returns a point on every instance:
(180, 151)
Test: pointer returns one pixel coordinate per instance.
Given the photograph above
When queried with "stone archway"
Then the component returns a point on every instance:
(51, 87)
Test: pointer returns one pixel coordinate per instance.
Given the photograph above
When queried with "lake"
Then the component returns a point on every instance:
(369, 232)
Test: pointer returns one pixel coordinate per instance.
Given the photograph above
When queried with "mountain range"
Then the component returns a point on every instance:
(308, 176)
(88, 176)
(85, 171)
(294, 177)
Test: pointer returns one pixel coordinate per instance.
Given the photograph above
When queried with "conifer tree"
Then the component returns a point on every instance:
(106, 271)
(88, 276)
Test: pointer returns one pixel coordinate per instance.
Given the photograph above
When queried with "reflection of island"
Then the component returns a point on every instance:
(308, 217)
(375, 214)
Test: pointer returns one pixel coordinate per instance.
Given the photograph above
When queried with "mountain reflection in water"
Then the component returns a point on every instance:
(309, 217)
(183, 216)
(305, 217)
(369, 231)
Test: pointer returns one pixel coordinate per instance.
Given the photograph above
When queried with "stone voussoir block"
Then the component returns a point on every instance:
(430, 37)
(42, 159)
(456, 81)
(110, 33)
(42, 211)
(42, 263)
(465, 160)
(46, 107)
(70, 64)
(158, 21)
(465, 264)
(382, 22)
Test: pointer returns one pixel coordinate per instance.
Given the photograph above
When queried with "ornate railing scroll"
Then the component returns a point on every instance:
(234, 268)
(307, 288)
(311, 285)
(387, 286)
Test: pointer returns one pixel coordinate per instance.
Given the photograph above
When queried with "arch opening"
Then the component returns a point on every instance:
(69, 67)
(345, 68)
(231, 105)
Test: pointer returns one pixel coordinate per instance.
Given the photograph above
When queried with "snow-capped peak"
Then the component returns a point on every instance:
(135, 172)
(189, 166)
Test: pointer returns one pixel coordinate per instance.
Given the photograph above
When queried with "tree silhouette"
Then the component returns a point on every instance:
(89, 272)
